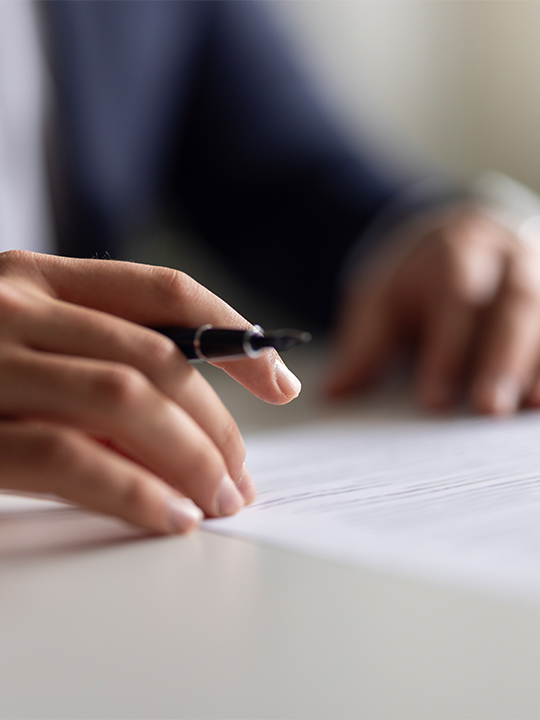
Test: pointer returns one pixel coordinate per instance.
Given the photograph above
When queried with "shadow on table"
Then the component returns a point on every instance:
(59, 530)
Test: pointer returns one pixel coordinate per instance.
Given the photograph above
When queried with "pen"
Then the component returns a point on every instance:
(209, 343)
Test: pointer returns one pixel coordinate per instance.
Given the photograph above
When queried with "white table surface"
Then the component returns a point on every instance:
(98, 622)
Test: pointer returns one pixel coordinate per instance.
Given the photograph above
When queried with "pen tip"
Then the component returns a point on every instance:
(281, 339)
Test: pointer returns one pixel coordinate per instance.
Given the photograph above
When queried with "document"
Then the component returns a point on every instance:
(454, 500)
(451, 501)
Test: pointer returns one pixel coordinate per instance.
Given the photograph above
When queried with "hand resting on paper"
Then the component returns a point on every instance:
(108, 414)
(466, 294)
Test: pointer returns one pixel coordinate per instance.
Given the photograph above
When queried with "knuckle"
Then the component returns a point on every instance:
(163, 351)
(120, 385)
(472, 278)
(472, 226)
(204, 463)
(14, 259)
(13, 302)
(459, 236)
(175, 286)
(231, 438)
(55, 452)
(135, 497)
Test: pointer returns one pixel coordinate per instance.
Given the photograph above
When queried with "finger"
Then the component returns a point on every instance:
(531, 397)
(471, 271)
(37, 457)
(505, 366)
(445, 349)
(366, 339)
(76, 331)
(152, 296)
(266, 377)
(118, 403)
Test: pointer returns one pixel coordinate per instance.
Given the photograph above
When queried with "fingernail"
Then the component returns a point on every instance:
(183, 514)
(246, 485)
(228, 500)
(242, 473)
(288, 383)
(505, 396)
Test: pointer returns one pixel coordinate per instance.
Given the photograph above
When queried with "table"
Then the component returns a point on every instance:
(97, 621)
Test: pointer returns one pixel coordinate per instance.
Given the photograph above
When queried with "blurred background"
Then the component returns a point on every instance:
(435, 86)
(439, 82)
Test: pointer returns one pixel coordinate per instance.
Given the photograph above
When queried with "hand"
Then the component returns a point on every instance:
(106, 413)
(467, 294)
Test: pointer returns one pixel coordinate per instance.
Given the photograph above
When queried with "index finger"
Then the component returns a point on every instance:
(152, 296)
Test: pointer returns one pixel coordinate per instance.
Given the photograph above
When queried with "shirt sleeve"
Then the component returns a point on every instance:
(263, 173)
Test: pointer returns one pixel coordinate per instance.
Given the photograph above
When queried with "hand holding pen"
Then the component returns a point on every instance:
(100, 410)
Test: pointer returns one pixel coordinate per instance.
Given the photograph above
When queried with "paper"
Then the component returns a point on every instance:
(449, 500)
(453, 501)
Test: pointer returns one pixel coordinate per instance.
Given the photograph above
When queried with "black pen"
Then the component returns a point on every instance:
(209, 343)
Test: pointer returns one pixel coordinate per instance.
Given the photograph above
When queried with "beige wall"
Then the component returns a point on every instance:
(451, 82)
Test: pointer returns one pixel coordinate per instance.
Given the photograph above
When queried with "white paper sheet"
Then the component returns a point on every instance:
(451, 500)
